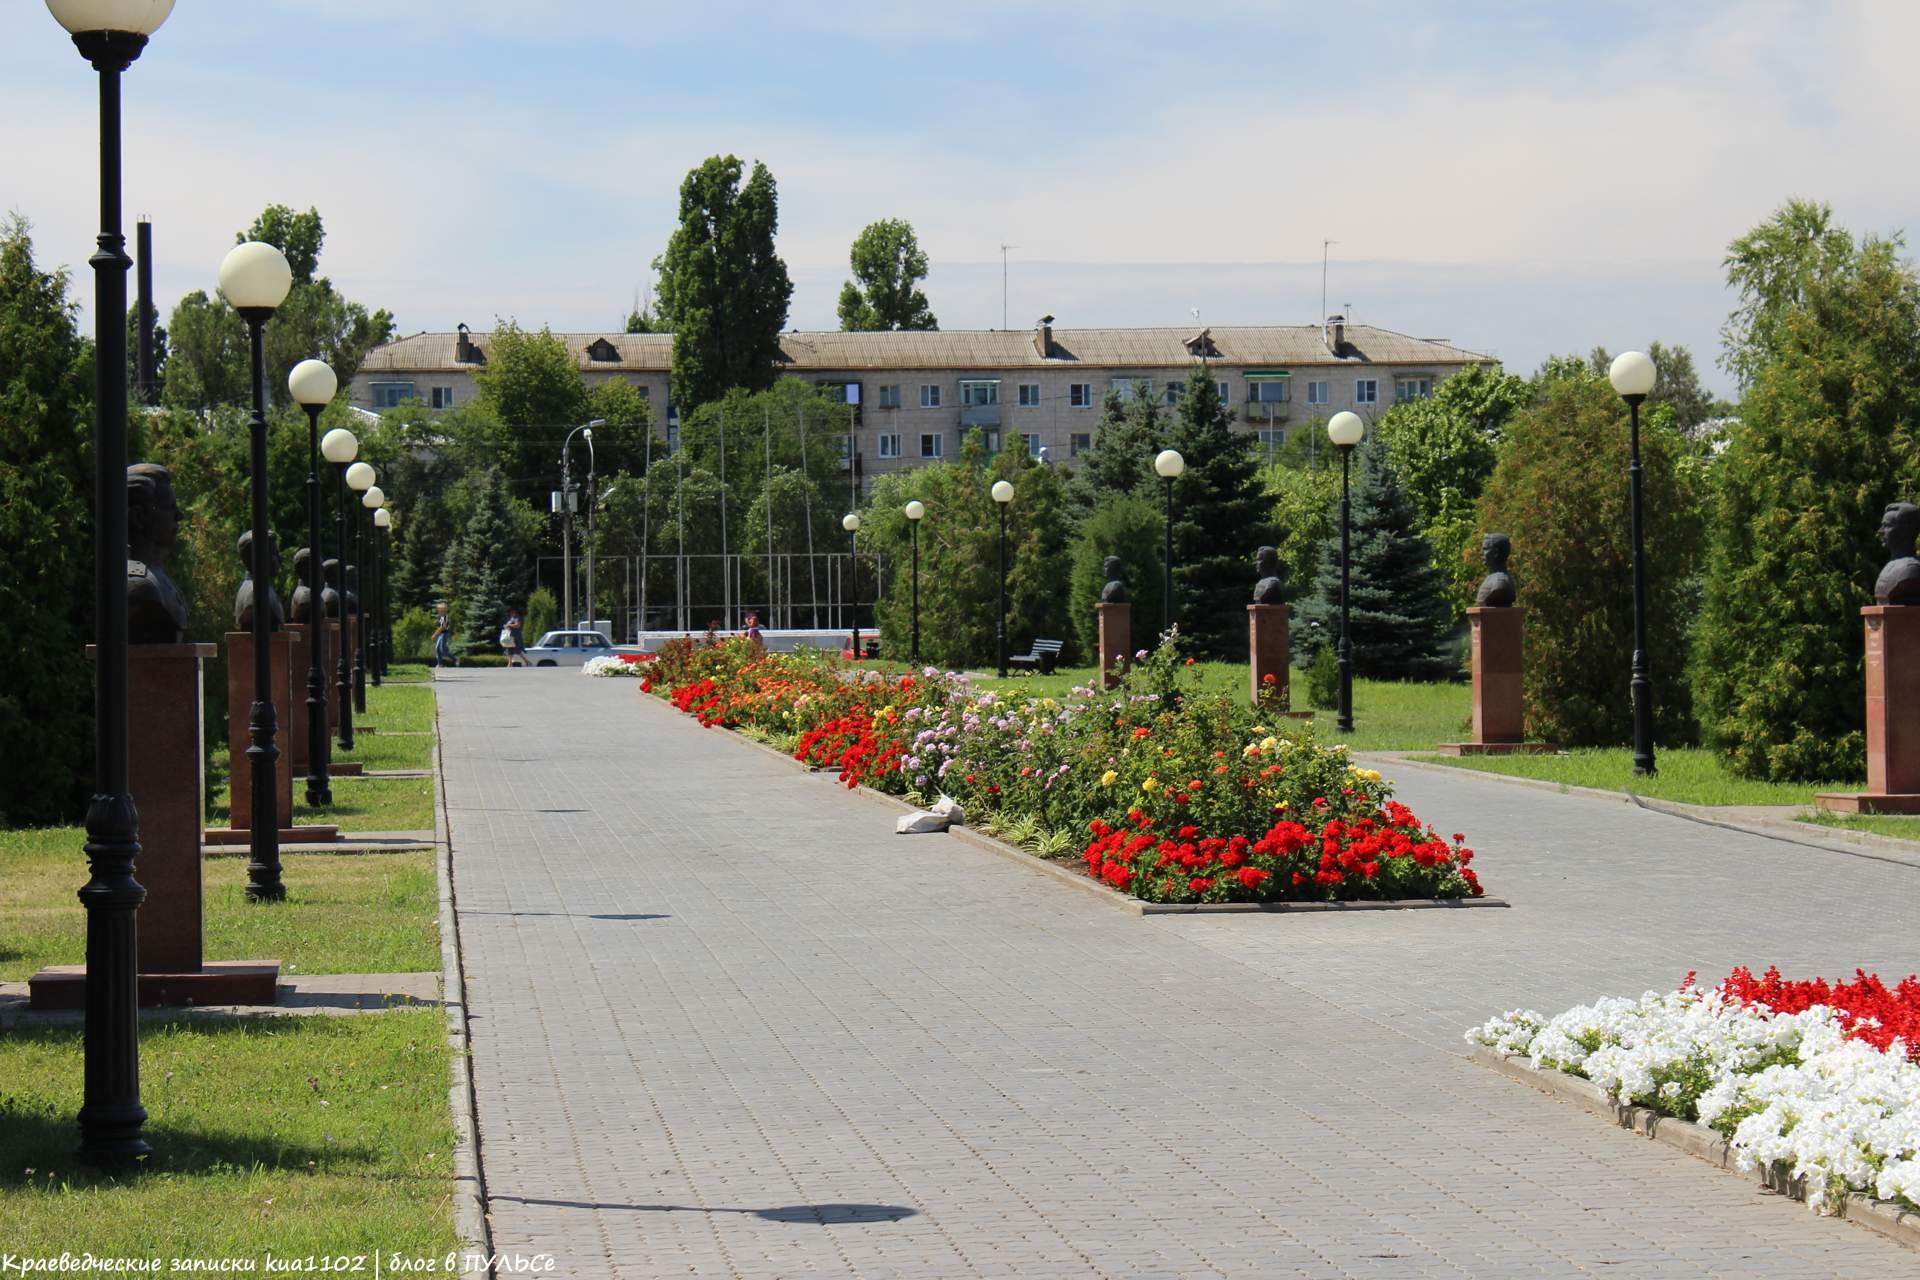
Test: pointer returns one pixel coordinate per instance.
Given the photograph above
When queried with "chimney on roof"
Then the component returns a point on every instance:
(463, 348)
(1043, 337)
(1336, 334)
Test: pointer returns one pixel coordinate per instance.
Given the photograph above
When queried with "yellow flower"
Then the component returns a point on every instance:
(1150, 784)
(1269, 743)
(1253, 749)
(1107, 778)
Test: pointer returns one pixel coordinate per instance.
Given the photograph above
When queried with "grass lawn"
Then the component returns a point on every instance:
(1880, 824)
(399, 708)
(387, 751)
(403, 672)
(1387, 715)
(359, 804)
(367, 913)
(310, 1135)
(1687, 775)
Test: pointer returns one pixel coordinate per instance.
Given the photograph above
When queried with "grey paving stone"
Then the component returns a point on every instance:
(726, 1023)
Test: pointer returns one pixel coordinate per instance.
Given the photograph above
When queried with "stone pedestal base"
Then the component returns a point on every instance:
(314, 833)
(1499, 695)
(1893, 715)
(240, 694)
(327, 673)
(345, 768)
(217, 982)
(1269, 657)
(294, 728)
(1116, 640)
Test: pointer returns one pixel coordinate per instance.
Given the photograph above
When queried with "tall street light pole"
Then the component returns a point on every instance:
(110, 36)
(1002, 495)
(382, 520)
(565, 503)
(255, 278)
(373, 499)
(851, 523)
(340, 448)
(313, 385)
(1346, 430)
(1633, 375)
(593, 500)
(916, 511)
(1170, 466)
(360, 478)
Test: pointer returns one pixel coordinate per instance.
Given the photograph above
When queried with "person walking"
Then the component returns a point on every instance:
(513, 641)
(442, 638)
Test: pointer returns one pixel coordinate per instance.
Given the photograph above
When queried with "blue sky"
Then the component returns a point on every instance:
(1520, 178)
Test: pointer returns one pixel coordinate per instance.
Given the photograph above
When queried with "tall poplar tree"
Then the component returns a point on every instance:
(723, 290)
(888, 266)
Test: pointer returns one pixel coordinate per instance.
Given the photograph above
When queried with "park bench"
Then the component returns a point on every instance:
(1045, 656)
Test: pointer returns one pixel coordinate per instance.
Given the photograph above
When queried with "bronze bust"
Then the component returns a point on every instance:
(1496, 589)
(156, 607)
(1115, 592)
(302, 594)
(1899, 581)
(330, 591)
(243, 600)
(1272, 586)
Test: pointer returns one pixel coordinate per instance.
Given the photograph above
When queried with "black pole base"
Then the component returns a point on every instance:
(110, 1137)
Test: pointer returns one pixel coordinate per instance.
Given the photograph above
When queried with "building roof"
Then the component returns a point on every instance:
(980, 349)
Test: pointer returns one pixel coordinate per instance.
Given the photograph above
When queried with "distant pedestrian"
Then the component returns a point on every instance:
(513, 642)
(442, 638)
(753, 630)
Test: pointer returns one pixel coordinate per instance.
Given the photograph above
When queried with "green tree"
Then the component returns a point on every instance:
(1039, 556)
(723, 290)
(485, 565)
(1220, 517)
(1397, 608)
(1827, 340)
(1443, 449)
(1302, 499)
(296, 235)
(533, 397)
(1129, 526)
(1560, 492)
(1131, 430)
(45, 478)
(1676, 384)
(888, 266)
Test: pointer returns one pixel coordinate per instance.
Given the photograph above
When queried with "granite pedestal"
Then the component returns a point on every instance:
(1893, 715)
(1270, 660)
(1115, 621)
(1499, 694)
(240, 693)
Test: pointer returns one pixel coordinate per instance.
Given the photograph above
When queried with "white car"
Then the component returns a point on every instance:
(568, 648)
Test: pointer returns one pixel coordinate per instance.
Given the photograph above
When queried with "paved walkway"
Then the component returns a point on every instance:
(725, 1023)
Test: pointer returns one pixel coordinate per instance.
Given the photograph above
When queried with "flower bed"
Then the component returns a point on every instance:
(611, 665)
(1172, 796)
(1829, 1091)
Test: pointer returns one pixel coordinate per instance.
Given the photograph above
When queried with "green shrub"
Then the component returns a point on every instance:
(1323, 680)
(413, 634)
(1560, 492)
(1128, 527)
(542, 613)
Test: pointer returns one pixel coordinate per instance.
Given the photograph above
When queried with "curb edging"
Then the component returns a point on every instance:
(469, 1183)
(1883, 1217)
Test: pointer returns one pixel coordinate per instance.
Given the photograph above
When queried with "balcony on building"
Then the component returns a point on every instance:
(980, 402)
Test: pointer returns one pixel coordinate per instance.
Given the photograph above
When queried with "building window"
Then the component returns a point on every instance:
(646, 392)
(890, 397)
(1226, 394)
(1176, 392)
(932, 444)
(890, 445)
(388, 394)
(979, 391)
(1079, 442)
(1126, 388)
(1035, 446)
(1080, 395)
(1272, 439)
(1317, 392)
(1419, 388)
(990, 437)
(929, 395)
(1268, 391)
(845, 445)
(1029, 395)
(442, 397)
(673, 437)
(1366, 390)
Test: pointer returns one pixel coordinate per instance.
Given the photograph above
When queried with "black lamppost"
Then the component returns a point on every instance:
(254, 278)
(1170, 466)
(313, 384)
(372, 500)
(360, 477)
(1003, 494)
(1633, 376)
(851, 523)
(382, 520)
(1346, 430)
(110, 36)
(340, 448)
(372, 609)
(916, 511)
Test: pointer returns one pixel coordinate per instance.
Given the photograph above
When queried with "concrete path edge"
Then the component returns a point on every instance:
(469, 1183)
(1883, 1217)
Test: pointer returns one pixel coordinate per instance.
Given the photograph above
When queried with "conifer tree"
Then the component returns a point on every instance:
(1220, 517)
(481, 566)
(1397, 607)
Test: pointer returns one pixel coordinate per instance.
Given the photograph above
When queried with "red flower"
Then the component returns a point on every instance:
(1195, 785)
(1189, 662)
(1142, 732)
(1251, 877)
(646, 684)
(1200, 884)
(1267, 678)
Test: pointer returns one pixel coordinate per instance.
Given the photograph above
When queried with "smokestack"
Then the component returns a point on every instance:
(143, 252)
(1043, 337)
(1336, 334)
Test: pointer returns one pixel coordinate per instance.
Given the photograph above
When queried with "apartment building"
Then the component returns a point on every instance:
(912, 396)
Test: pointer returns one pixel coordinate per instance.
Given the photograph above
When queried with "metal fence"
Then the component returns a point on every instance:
(687, 593)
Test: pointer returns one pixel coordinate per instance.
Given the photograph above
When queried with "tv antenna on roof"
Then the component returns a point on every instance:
(1323, 278)
(1003, 282)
